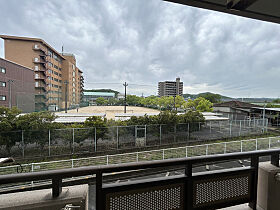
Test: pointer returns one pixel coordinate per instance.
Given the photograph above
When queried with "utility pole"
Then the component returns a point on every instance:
(10, 92)
(66, 92)
(263, 116)
(125, 85)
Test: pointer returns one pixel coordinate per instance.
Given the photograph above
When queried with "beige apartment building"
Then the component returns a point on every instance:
(52, 71)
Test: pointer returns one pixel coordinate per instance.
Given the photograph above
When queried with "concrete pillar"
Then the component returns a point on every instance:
(268, 187)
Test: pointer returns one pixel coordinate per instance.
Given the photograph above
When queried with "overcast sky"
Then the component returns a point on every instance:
(146, 41)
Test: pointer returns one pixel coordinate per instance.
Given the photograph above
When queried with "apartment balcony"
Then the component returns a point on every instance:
(39, 61)
(38, 47)
(41, 87)
(139, 185)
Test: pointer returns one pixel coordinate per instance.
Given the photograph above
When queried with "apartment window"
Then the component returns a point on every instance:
(74, 85)
(60, 75)
(36, 68)
(36, 46)
(55, 73)
(36, 59)
(50, 71)
(73, 79)
(73, 74)
(2, 98)
(2, 84)
(2, 70)
(59, 69)
(73, 66)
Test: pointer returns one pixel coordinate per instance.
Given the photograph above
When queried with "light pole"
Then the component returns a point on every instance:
(125, 85)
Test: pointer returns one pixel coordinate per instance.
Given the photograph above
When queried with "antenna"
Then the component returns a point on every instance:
(62, 50)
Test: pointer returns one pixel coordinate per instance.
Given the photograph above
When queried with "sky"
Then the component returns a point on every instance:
(144, 42)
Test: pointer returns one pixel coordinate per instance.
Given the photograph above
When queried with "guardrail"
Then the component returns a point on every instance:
(207, 190)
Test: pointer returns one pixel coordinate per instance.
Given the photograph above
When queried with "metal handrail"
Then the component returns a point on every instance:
(83, 171)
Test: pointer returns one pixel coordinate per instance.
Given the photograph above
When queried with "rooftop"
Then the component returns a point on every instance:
(99, 94)
(31, 39)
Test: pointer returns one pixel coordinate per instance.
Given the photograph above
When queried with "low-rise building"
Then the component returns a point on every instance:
(235, 110)
(17, 86)
(91, 96)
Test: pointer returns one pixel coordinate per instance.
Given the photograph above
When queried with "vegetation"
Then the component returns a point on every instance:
(162, 103)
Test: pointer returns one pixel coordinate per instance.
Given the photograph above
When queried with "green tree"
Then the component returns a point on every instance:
(8, 123)
(133, 100)
(99, 124)
(199, 104)
(101, 101)
(36, 126)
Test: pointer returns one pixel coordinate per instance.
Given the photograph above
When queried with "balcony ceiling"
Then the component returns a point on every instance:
(266, 10)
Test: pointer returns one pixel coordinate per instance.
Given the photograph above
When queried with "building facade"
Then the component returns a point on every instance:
(170, 88)
(17, 86)
(47, 64)
(73, 81)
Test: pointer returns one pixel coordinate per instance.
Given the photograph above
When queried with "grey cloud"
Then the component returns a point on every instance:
(143, 43)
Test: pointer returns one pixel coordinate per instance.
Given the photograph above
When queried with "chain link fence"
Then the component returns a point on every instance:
(161, 154)
(87, 140)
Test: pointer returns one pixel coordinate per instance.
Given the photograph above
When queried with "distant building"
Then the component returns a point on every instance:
(51, 69)
(91, 96)
(17, 81)
(170, 88)
(236, 110)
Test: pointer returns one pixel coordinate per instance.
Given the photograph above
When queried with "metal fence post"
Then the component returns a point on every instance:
(145, 135)
(117, 137)
(22, 143)
(240, 128)
(159, 134)
(225, 148)
(256, 144)
(95, 140)
(32, 170)
(186, 151)
(72, 163)
(210, 126)
(269, 142)
(137, 156)
(163, 154)
(241, 146)
(199, 126)
(73, 140)
(107, 159)
(230, 125)
(206, 149)
(189, 130)
(49, 142)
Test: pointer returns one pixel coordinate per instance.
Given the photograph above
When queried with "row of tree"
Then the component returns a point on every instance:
(163, 103)
(35, 126)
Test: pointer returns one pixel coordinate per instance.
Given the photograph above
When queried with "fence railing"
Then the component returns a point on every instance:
(208, 190)
(160, 154)
(90, 140)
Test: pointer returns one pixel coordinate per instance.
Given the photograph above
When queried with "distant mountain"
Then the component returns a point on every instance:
(194, 96)
(226, 98)
(103, 90)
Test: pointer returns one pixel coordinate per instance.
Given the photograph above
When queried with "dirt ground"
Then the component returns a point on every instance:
(110, 111)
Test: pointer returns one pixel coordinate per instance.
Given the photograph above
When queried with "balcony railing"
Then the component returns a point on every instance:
(204, 190)
(38, 60)
(39, 47)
